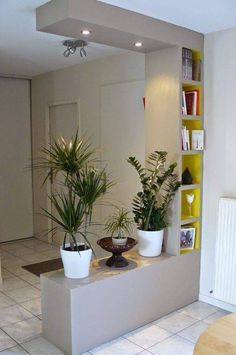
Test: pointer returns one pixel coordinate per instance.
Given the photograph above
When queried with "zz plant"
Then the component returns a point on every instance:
(159, 185)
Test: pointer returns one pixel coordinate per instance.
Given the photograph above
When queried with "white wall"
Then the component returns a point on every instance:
(220, 154)
(82, 82)
(15, 155)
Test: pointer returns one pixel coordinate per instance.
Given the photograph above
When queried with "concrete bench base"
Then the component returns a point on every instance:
(79, 315)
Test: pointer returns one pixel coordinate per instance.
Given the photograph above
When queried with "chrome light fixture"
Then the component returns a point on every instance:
(73, 45)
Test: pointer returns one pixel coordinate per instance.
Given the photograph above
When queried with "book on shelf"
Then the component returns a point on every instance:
(191, 68)
(187, 64)
(184, 107)
(196, 70)
(185, 138)
(190, 102)
(198, 139)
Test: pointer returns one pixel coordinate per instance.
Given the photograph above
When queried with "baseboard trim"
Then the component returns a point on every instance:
(226, 306)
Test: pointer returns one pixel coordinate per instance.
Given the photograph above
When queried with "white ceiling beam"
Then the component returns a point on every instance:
(112, 26)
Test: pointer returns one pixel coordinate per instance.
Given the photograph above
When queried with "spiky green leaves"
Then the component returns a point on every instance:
(120, 223)
(66, 157)
(70, 214)
(89, 185)
(84, 185)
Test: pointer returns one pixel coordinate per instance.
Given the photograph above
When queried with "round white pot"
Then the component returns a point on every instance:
(150, 243)
(76, 264)
(119, 241)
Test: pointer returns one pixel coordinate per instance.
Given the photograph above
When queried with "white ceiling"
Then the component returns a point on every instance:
(26, 52)
(199, 15)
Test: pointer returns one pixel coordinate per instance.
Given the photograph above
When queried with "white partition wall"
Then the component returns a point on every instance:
(110, 93)
(15, 155)
(122, 136)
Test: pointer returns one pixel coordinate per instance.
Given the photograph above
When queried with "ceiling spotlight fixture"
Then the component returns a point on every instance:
(86, 32)
(73, 45)
(138, 44)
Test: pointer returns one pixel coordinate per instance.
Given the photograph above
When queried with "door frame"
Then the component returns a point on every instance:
(47, 141)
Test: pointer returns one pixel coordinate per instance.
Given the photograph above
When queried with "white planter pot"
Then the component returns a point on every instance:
(150, 243)
(76, 264)
(119, 241)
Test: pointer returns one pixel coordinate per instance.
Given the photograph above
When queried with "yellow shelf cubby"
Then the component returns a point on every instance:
(195, 225)
(194, 164)
(190, 86)
(195, 207)
(192, 124)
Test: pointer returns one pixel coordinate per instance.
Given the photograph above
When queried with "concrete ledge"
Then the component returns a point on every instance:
(79, 315)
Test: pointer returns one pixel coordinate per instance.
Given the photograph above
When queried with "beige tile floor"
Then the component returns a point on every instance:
(20, 313)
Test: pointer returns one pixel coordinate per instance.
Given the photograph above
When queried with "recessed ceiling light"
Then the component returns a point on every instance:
(138, 44)
(86, 32)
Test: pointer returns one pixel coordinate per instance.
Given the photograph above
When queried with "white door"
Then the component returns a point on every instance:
(16, 210)
(63, 122)
(122, 135)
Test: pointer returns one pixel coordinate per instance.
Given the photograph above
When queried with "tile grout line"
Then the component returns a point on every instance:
(17, 302)
(143, 349)
(132, 342)
(188, 326)
(20, 344)
(177, 333)
(27, 284)
(192, 342)
(17, 344)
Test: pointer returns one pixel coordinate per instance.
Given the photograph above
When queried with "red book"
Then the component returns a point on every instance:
(192, 102)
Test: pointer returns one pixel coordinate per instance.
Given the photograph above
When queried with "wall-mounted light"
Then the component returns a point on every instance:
(138, 44)
(86, 32)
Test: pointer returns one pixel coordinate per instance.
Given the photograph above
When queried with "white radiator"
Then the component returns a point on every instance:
(225, 261)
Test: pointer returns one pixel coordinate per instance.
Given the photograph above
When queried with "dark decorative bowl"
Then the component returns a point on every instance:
(116, 260)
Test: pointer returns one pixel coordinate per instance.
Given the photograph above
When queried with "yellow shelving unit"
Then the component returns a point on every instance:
(163, 124)
(193, 161)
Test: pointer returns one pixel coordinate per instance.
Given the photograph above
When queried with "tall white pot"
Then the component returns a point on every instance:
(150, 243)
(76, 264)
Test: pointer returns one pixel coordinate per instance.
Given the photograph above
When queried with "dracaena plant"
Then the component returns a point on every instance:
(64, 156)
(119, 224)
(84, 184)
(159, 185)
(90, 185)
(69, 218)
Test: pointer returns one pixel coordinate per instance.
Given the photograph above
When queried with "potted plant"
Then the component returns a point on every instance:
(83, 185)
(150, 206)
(119, 225)
(76, 254)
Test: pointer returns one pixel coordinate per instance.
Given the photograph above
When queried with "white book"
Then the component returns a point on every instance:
(184, 107)
(188, 140)
(195, 103)
(197, 140)
(185, 138)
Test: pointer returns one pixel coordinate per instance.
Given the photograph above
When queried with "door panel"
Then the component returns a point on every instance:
(63, 120)
(16, 210)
